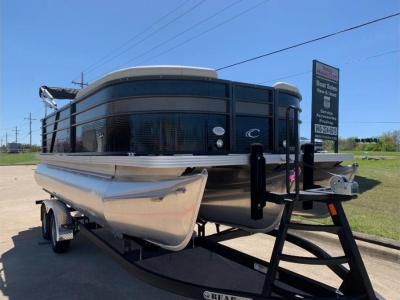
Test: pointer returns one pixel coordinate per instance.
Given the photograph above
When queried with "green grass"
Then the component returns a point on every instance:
(18, 158)
(376, 211)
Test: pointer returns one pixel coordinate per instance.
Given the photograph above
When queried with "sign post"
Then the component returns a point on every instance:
(325, 103)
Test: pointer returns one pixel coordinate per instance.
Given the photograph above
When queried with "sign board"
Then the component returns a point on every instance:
(325, 102)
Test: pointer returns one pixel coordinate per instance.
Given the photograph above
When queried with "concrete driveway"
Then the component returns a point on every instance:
(33, 271)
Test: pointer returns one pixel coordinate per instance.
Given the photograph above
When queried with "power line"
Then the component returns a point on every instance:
(147, 37)
(204, 32)
(371, 107)
(34, 114)
(338, 65)
(7, 128)
(13, 118)
(307, 42)
(135, 36)
(356, 122)
(236, 16)
(375, 94)
(22, 124)
(40, 111)
(29, 133)
(130, 40)
(25, 137)
(19, 125)
(180, 33)
(371, 122)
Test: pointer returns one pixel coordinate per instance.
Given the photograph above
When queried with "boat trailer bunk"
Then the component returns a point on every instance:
(278, 283)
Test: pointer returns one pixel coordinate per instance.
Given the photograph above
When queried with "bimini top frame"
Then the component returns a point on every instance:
(48, 94)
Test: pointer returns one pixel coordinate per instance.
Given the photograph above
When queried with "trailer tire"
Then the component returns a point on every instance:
(45, 217)
(58, 246)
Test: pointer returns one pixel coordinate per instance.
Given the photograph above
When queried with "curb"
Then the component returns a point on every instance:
(369, 238)
(377, 240)
(22, 164)
(384, 248)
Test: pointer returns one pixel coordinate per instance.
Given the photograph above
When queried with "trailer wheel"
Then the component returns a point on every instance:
(45, 223)
(58, 246)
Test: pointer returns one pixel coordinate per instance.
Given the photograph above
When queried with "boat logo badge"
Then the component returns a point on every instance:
(218, 130)
(212, 295)
(249, 133)
(207, 295)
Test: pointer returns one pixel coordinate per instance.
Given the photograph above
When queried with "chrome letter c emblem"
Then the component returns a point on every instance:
(249, 133)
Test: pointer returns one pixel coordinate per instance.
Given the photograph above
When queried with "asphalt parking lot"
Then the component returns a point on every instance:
(31, 270)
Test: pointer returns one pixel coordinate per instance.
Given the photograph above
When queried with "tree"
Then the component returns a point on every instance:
(348, 144)
(29, 148)
(396, 136)
(329, 145)
(390, 141)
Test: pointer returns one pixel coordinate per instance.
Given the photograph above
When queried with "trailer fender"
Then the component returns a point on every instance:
(61, 216)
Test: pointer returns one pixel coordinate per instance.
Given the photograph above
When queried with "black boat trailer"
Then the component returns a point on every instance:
(279, 283)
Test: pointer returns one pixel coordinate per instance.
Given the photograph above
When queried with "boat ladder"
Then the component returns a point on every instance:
(355, 281)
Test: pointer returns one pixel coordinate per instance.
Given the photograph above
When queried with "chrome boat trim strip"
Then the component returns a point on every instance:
(185, 160)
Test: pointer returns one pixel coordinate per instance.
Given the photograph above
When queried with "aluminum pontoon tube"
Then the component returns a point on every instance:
(160, 209)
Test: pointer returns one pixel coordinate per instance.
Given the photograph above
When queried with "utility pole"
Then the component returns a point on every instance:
(30, 130)
(16, 134)
(6, 138)
(82, 84)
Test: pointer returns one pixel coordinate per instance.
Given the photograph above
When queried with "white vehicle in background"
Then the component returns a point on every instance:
(14, 147)
(318, 144)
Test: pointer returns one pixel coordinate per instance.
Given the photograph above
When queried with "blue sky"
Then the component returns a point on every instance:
(48, 42)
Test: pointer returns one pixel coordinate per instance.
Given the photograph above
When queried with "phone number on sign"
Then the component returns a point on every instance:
(325, 129)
